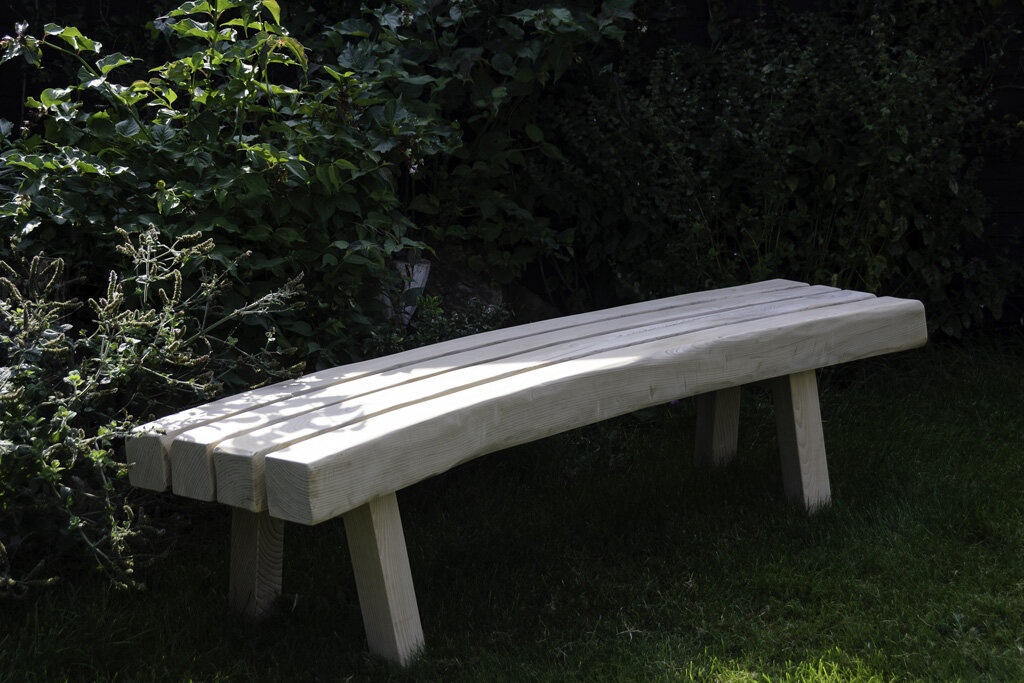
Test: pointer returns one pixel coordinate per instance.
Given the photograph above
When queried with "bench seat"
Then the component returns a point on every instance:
(341, 442)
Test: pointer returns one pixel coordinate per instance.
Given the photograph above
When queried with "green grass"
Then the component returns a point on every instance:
(604, 554)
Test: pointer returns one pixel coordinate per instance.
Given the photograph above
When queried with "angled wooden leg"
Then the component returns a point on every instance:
(801, 440)
(380, 563)
(718, 419)
(257, 556)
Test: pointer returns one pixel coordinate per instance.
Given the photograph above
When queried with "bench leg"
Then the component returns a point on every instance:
(380, 563)
(718, 419)
(801, 440)
(257, 556)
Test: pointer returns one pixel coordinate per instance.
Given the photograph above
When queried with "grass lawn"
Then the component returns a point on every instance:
(604, 554)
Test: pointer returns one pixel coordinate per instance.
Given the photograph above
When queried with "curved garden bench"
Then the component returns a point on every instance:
(341, 442)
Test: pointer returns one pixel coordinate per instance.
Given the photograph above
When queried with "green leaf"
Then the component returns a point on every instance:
(504, 64)
(111, 62)
(295, 47)
(352, 27)
(161, 134)
(194, 29)
(561, 15)
(73, 37)
(534, 133)
(524, 75)
(527, 14)
(622, 9)
(32, 162)
(549, 150)
(101, 126)
(191, 7)
(297, 169)
(324, 210)
(53, 96)
(417, 80)
(274, 8)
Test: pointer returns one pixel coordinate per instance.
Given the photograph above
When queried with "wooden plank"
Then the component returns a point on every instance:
(380, 563)
(801, 440)
(257, 558)
(148, 464)
(334, 472)
(238, 462)
(148, 450)
(191, 453)
(718, 420)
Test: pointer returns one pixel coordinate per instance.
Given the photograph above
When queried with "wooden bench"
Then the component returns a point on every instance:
(343, 441)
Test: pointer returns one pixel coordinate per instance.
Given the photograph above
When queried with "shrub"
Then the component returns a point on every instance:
(240, 137)
(293, 161)
(76, 377)
(482, 65)
(840, 147)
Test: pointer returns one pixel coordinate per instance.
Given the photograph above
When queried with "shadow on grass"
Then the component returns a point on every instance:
(604, 553)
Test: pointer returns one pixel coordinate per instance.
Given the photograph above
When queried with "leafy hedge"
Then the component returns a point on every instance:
(76, 376)
(239, 139)
(282, 160)
(839, 147)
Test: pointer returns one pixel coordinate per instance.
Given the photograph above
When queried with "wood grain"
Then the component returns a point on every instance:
(238, 462)
(718, 421)
(257, 559)
(150, 450)
(801, 440)
(258, 431)
(345, 467)
(380, 563)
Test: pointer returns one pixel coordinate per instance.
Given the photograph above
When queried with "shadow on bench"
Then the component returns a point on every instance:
(342, 442)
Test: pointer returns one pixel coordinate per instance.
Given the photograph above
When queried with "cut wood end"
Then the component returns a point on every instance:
(241, 481)
(192, 470)
(148, 466)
